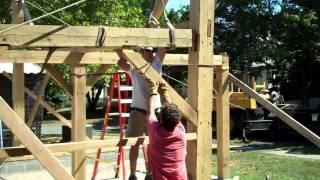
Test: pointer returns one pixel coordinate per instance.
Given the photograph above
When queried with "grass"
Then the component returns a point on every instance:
(256, 165)
(252, 164)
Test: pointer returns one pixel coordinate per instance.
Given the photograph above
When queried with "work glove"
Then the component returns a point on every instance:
(163, 90)
(153, 86)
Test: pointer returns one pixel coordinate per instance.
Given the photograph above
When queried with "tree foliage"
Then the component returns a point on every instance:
(129, 13)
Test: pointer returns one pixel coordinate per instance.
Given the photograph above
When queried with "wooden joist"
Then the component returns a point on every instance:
(81, 36)
(144, 67)
(67, 57)
(84, 145)
(25, 135)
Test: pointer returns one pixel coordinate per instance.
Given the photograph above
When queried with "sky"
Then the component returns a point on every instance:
(177, 4)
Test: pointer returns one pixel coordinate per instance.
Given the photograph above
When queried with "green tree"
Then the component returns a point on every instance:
(129, 13)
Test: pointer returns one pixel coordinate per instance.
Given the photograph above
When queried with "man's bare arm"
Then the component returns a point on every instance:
(161, 52)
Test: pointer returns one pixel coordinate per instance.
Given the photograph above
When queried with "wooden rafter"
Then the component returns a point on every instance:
(25, 135)
(44, 104)
(140, 64)
(158, 8)
(81, 36)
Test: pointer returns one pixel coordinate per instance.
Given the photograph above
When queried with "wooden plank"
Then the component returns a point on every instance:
(44, 104)
(18, 95)
(59, 79)
(58, 57)
(97, 76)
(18, 72)
(26, 136)
(65, 57)
(277, 111)
(140, 64)
(86, 36)
(38, 100)
(223, 120)
(200, 91)
(78, 131)
(158, 8)
(109, 144)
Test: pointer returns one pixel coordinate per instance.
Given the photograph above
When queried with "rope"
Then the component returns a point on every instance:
(41, 9)
(171, 27)
(175, 80)
(40, 17)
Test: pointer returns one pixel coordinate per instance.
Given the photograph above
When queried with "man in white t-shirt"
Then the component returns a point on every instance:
(140, 95)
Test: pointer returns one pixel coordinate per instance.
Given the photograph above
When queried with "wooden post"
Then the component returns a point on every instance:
(223, 120)
(200, 83)
(78, 131)
(18, 73)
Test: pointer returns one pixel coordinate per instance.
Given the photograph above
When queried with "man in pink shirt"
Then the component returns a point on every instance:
(167, 139)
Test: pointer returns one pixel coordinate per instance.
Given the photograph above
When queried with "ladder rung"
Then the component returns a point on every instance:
(123, 101)
(117, 114)
(114, 127)
(126, 88)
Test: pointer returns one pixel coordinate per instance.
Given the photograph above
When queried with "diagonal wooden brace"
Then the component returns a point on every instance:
(140, 64)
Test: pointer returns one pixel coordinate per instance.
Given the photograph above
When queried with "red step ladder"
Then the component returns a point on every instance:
(122, 102)
(122, 107)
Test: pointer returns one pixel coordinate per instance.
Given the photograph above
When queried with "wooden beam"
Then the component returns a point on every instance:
(159, 6)
(223, 119)
(44, 104)
(59, 79)
(84, 145)
(18, 95)
(78, 131)
(140, 64)
(86, 36)
(97, 76)
(26, 136)
(65, 57)
(18, 72)
(200, 91)
(58, 57)
(38, 100)
(277, 111)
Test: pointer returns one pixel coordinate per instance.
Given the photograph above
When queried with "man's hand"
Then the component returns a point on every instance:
(163, 91)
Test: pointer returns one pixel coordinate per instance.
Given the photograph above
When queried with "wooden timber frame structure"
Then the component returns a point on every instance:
(77, 46)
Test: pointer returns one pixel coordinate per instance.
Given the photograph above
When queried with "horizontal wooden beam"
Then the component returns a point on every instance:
(67, 57)
(34, 145)
(74, 146)
(86, 36)
(144, 67)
